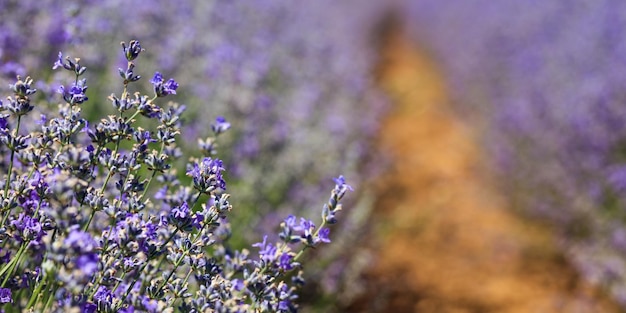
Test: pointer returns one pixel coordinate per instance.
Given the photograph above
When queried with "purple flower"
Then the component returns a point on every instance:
(5, 295)
(59, 62)
(87, 263)
(220, 125)
(323, 235)
(12, 69)
(28, 228)
(80, 242)
(157, 79)
(84, 247)
(267, 252)
(207, 176)
(6, 257)
(341, 187)
(238, 284)
(182, 217)
(284, 262)
(161, 88)
(149, 305)
(88, 308)
(161, 193)
(75, 94)
(290, 221)
(42, 120)
(103, 297)
(180, 212)
(283, 305)
(306, 227)
(133, 49)
(170, 86)
(69, 65)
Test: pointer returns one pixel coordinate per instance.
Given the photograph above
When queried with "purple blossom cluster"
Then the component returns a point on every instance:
(94, 216)
(546, 79)
(288, 76)
(293, 79)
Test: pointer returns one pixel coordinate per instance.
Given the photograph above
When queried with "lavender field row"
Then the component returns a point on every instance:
(116, 159)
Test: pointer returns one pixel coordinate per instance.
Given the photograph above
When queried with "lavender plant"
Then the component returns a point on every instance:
(293, 78)
(95, 218)
(289, 76)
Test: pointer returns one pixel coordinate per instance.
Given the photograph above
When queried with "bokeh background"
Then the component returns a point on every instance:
(486, 141)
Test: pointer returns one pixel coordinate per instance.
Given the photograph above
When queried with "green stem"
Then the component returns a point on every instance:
(36, 292)
(10, 171)
(187, 277)
(93, 212)
(49, 299)
(132, 284)
(145, 190)
(9, 266)
(116, 284)
(8, 182)
(176, 265)
(133, 116)
(317, 232)
(106, 181)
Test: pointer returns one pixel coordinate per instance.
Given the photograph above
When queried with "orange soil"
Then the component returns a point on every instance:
(448, 243)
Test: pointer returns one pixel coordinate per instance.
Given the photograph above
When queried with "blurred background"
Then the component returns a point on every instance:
(486, 141)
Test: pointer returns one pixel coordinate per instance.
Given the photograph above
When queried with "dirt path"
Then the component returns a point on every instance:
(447, 242)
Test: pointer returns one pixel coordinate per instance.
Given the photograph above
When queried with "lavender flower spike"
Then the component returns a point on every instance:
(162, 88)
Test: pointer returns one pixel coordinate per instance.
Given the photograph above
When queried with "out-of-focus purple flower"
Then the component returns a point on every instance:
(291, 221)
(238, 284)
(80, 242)
(285, 262)
(83, 246)
(305, 228)
(87, 263)
(220, 125)
(283, 306)
(5, 295)
(88, 308)
(341, 187)
(161, 193)
(6, 257)
(12, 69)
(42, 120)
(103, 297)
(150, 305)
(324, 235)
(129, 309)
(59, 62)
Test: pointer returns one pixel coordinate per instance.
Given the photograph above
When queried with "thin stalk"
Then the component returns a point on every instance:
(138, 273)
(11, 263)
(8, 182)
(36, 292)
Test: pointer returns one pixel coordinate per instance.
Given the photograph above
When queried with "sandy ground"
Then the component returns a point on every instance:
(446, 240)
